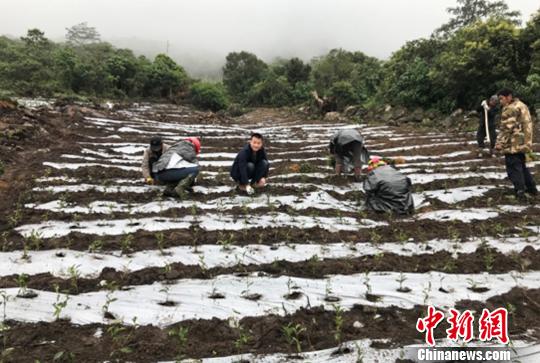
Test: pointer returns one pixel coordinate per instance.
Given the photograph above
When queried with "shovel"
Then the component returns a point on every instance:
(487, 126)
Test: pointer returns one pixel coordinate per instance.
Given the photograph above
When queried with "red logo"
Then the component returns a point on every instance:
(491, 325)
(461, 325)
(494, 325)
(428, 324)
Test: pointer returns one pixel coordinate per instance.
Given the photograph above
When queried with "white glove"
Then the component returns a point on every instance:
(484, 104)
(249, 190)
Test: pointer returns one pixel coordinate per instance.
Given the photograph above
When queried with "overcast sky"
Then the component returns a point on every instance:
(206, 30)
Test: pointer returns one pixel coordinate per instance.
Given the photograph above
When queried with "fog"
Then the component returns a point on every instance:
(198, 34)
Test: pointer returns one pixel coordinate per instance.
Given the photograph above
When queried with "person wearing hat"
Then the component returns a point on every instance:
(347, 146)
(387, 189)
(488, 110)
(178, 167)
(250, 167)
(151, 155)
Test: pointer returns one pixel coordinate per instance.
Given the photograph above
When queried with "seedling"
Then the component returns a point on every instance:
(180, 335)
(96, 246)
(108, 300)
(489, 259)
(24, 292)
(329, 293)
(4, 329)
(165, 289)
(74, 275)
(338, 322)
(401, 279)
(375, 236)
(60, 304)
(119, 340)
(225, 242)
(126, 243)
(167, 268)
(243, 338)
(160, 240)
(291, 295)
(35, 239)
(203, 265)
(292, 335)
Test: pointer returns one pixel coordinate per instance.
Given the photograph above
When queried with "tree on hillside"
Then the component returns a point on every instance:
(470, 11)
(296, 71)
(361, 71)
(529, 56)
(478, 60)
(81, 34)
(167, 77)
(35, 38)
(407, 79)
(242, 71)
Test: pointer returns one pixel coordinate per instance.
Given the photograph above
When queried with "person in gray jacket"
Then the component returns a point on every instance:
(178, 167)
(348, 146)
(387, 190)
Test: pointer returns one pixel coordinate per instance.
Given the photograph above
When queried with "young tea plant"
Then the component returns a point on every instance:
(74, 275)
(109, 299)
(126, 243)
(24, 292)
(96, 246)
(120, 340)
(292, 335)
(180, 335)
(60, 304)
(401, 279)
(36, 240)
(243, 338)
(160, 241)
(338, 322)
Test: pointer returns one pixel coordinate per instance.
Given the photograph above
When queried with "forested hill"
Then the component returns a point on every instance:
(481, 49)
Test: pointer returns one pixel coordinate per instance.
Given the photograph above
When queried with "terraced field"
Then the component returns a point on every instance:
(100, 267)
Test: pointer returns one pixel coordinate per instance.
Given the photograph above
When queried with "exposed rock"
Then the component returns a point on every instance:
(332, 116)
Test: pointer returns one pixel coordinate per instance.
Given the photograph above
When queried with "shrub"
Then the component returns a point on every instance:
(209, 96)
(344, 94)
(273, 91)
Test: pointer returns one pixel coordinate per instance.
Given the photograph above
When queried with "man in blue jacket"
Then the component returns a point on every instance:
(251, 165)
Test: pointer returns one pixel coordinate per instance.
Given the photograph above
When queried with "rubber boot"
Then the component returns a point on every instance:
(521, 196)
(183, 185)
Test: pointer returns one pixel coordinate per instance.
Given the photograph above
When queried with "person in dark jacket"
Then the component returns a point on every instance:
(178, 167)
(387, 190)
(488, 109)
(348, 146)
(250, 167)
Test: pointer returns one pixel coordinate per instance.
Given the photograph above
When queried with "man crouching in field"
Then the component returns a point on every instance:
(251, 165)
(387, 189)
(176, 166)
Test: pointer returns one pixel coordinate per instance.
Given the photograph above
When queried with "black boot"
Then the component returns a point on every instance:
(521, 196)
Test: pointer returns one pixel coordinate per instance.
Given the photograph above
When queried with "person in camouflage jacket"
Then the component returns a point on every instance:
(514, 141)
